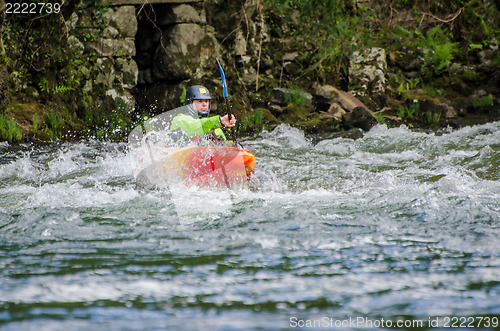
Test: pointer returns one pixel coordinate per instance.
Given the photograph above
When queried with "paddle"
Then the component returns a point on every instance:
(226, 96)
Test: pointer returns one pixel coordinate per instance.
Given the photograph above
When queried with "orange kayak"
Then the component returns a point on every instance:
(205, 166)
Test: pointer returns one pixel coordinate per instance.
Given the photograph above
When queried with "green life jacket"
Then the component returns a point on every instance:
(194, 127)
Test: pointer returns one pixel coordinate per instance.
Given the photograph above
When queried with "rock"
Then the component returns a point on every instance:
(284, 96)
(289, 56)
(249, 76)
(367, 71)
(182, 13)
(327, 92)
(106, 47)
(327, 95)
(123, 19)
(359, 118)
(349, 102)
(276, 110)
(280, 95)
(128, 71)
(240, 44)
(450, 112)
(72, 21)
(185, 51)
(337, 111)
(437, 106)
(76, 45)
(408, 61)
(145, 77)
(292, 68)
(104, 72)
(110, 32)
(124, 95)
(244, 60)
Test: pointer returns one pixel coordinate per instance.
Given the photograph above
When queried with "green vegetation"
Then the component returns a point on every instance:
(251, 123)
(43, 67)
(438, 50)
(414, 112)
(182, 98)
(109, 124)
(52, 68)
(42, 63)
(437, 33)
(483, 102)
(9, 130)
(296, 97)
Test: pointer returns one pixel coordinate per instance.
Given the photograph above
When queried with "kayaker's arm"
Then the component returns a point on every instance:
(195, 127)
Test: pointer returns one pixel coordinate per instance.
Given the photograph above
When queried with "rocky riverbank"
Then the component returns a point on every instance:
(93, 69)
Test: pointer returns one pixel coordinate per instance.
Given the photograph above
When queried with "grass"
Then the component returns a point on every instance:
(413, 112)
(10, 130)
(253, 122)
(485, 101)
(296, 97)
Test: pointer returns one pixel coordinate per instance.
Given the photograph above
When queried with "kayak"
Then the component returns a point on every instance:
(164, 154)
(204, 166)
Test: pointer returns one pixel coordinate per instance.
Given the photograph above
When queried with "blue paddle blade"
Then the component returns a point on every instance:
(223, 76)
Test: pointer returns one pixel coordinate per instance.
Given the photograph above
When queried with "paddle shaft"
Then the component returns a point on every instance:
(229, 116)
(226, 96)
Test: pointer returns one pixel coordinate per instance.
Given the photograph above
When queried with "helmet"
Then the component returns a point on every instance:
(197, 92)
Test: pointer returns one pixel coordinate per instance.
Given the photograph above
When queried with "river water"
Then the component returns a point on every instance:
(395, 227)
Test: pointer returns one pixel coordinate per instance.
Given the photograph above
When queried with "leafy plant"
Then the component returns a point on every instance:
(438, 50)
(414, 112)
(62, 89)
(380, 118)
(407, 85)
(431, 90)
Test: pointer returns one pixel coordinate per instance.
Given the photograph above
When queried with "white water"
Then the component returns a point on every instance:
(397, 223)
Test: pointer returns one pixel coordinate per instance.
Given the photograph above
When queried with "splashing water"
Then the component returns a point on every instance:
(395, 224)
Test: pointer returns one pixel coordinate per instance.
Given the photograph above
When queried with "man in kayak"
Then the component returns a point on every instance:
(197, 124)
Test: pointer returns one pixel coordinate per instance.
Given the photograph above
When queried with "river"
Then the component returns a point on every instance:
(396, 228)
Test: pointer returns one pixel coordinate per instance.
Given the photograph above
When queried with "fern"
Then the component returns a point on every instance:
(62, 89)
(43, 84)
(438, 50)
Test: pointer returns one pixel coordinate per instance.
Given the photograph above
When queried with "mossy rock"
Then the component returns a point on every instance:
(25, 113)
(293, 113)
(319, 123)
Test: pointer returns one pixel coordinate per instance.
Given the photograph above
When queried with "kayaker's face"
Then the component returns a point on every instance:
(201, 106)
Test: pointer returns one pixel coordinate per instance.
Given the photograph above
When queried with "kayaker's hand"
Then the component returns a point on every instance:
(226, 122)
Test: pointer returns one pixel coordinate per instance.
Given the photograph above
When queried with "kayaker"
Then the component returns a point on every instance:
(197, 124)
